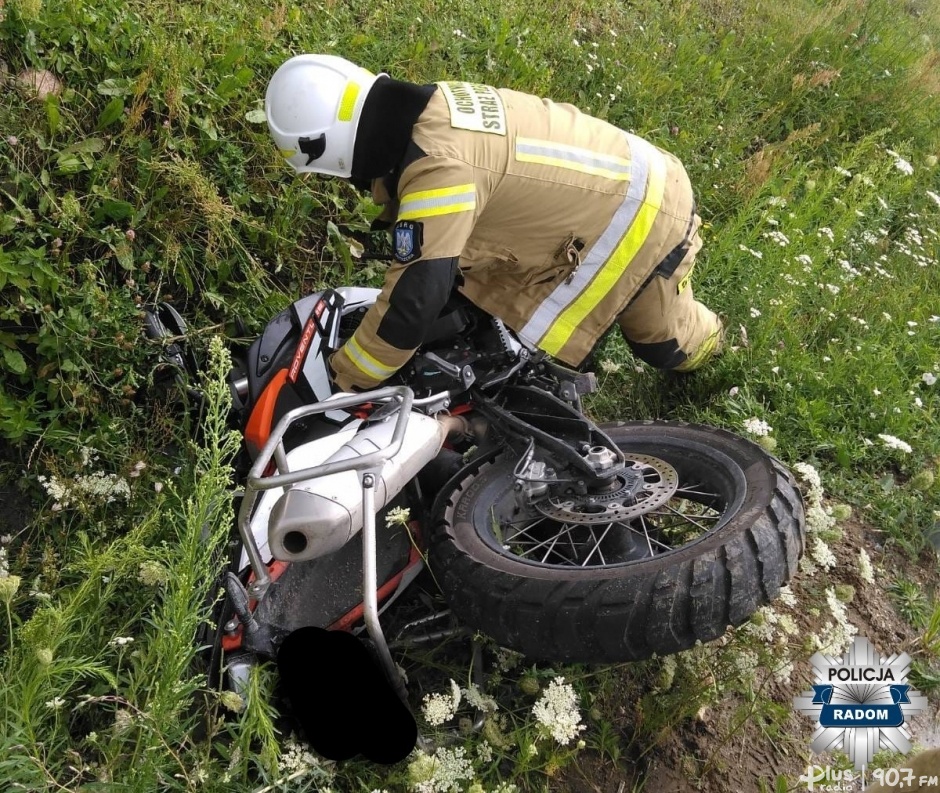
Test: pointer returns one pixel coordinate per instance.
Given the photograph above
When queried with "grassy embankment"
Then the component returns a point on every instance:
(810, 133)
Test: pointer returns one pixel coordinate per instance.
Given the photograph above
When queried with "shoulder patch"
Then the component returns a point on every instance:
(475, 106)
(409, 235)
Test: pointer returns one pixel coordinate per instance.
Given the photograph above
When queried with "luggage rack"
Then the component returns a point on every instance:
(397, 399)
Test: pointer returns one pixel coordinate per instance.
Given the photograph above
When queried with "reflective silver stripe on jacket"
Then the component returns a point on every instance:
(565, 293)
(562, 155)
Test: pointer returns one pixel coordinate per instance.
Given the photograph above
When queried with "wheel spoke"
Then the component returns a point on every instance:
(696, 492)
(542, 543)
(566, 534)
(646, 533)
(597, 545)
(658, 514)
(686, 517)
(550, 548)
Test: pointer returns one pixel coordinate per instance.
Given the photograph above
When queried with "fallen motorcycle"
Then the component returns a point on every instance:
(563, 539)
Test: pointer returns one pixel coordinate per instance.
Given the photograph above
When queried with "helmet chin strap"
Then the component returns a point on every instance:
(388, 115)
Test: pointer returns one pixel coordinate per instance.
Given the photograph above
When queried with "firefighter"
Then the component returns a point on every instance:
(556, 222)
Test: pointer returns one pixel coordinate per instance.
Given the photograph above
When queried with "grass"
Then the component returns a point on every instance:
(809, 131)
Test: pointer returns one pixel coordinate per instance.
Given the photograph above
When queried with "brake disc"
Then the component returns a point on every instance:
(650, 483)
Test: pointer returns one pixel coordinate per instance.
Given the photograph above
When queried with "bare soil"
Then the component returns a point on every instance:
(736, 748)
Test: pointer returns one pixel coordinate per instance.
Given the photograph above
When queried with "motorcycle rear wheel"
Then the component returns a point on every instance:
(565, 585)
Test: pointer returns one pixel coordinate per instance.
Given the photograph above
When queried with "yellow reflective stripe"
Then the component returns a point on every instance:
(684, 283)
(366, 363)
(562, 155)
(348, 102)
(608, 275)
(441, 201)
(701, 354)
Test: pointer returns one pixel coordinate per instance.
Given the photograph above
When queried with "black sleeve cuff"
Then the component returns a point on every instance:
(416, 301)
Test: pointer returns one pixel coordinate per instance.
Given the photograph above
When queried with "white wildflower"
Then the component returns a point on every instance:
(865, 569)
(755, 254)
(827, 232)
(96, 486)
(610, 367)
(152, 573)
(295, 758)
(805, 259)
(440, 708)
(934, 197)
(903, 166)
(837, 636)
(557, 711)
(121, 641)
(929, 378)
(807, 567)
(787, 624)
(507, 660)
(397, 516)
(757, 427)
(745, 662)
(817, 518)
(822, 554)
(484, 752)
(763, 624)
(776, 201)
(779, 237)
(755, 313)
(787, 597)
(843, 171)
(477, 699)
(782, 673)
(895, 443)
(56, 703)
(441, 772)
(811, 476)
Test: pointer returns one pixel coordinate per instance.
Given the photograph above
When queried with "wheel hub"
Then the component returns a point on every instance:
(647, 483)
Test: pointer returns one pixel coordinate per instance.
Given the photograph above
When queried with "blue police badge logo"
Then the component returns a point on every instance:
(861, 702)
(407, 241)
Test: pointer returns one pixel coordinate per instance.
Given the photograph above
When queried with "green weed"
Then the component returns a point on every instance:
(809, 132)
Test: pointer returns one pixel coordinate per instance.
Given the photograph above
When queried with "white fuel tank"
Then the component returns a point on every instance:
(318, 516)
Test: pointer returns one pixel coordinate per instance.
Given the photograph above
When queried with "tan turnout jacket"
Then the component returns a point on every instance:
(559, 221)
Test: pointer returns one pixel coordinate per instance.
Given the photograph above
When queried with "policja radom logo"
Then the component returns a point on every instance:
(860, 702)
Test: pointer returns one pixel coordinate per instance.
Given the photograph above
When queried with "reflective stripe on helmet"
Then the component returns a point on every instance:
(556, 317)
(348, 103)
(573, 158)
(442, 201)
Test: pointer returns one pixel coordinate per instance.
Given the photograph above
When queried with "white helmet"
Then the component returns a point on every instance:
(313, 105)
